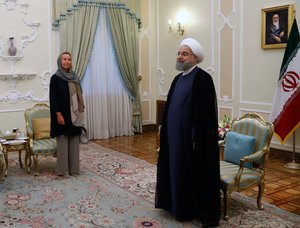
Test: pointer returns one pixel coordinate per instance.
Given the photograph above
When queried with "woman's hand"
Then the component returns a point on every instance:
(60, 118)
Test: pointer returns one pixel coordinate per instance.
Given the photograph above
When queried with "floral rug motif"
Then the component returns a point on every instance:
(113, 190)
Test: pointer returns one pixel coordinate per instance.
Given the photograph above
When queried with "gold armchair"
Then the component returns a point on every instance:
(38, 130)
(245, 156)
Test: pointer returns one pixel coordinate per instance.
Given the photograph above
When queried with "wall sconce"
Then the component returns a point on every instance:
(179, 30)
(182, 17)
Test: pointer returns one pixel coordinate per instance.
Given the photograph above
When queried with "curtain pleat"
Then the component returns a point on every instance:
(77, 36)
(107, 101)
(125, 36)
(61, 8)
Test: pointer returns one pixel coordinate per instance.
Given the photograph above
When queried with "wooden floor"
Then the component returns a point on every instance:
(282, 184)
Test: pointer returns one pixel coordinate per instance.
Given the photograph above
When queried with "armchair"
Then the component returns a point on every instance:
(245, 156)
(38, 130)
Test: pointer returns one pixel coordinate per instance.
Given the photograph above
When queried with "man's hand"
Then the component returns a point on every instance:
(281, 34)
(277, 39)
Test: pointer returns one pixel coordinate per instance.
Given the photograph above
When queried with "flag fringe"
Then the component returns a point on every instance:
(282, 141)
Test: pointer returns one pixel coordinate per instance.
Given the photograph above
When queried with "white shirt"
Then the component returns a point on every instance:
(188, 70)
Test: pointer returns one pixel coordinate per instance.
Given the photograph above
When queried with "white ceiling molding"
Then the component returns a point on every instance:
(24, 39)
(225, 98)
(259, 111)
(226, 21)
(211, 69)
(13, 78)
(161, 83)
(10, 4)
(161, 72)
(11, 61)
(12, 110)
(225, 107)
(14, 96)
(144, 93)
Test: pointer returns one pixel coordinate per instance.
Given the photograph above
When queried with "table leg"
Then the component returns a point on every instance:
(20, 158)
(5, 156)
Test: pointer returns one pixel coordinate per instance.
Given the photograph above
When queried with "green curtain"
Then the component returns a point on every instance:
(133, 5)
(61, 7)
(77, 32)
(77, 21)
(125, 35)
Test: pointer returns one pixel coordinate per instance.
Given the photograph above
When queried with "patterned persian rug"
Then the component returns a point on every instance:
(113, 190)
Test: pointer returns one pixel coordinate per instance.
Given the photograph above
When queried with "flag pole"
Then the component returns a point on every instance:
(293, 164)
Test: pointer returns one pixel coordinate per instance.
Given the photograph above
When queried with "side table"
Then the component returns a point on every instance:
(16, 145)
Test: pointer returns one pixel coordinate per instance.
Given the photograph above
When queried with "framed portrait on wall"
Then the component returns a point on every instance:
(276, 23)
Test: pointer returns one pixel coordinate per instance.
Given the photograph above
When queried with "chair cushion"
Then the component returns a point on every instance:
(237, 146)
(44, 146)
(41, 128)
(229, 172)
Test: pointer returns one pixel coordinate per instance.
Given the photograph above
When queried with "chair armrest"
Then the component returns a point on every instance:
(221, 148)
(250, 158)
(29, 132)
(254, 157)
(30, 144)
(222, 142)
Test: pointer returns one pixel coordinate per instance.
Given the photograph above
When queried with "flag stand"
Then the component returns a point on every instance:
(293, 164)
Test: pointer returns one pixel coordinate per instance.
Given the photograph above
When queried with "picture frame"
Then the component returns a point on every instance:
(276, 23)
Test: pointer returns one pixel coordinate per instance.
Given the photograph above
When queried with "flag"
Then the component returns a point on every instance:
(285, 114)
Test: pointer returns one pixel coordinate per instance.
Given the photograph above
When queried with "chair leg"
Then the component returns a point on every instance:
(2, 169)
(20, 159)
(261, 189)
(35, 163)
(226, 197)
(27, 162)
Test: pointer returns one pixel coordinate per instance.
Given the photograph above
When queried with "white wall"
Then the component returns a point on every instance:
(29, 20)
